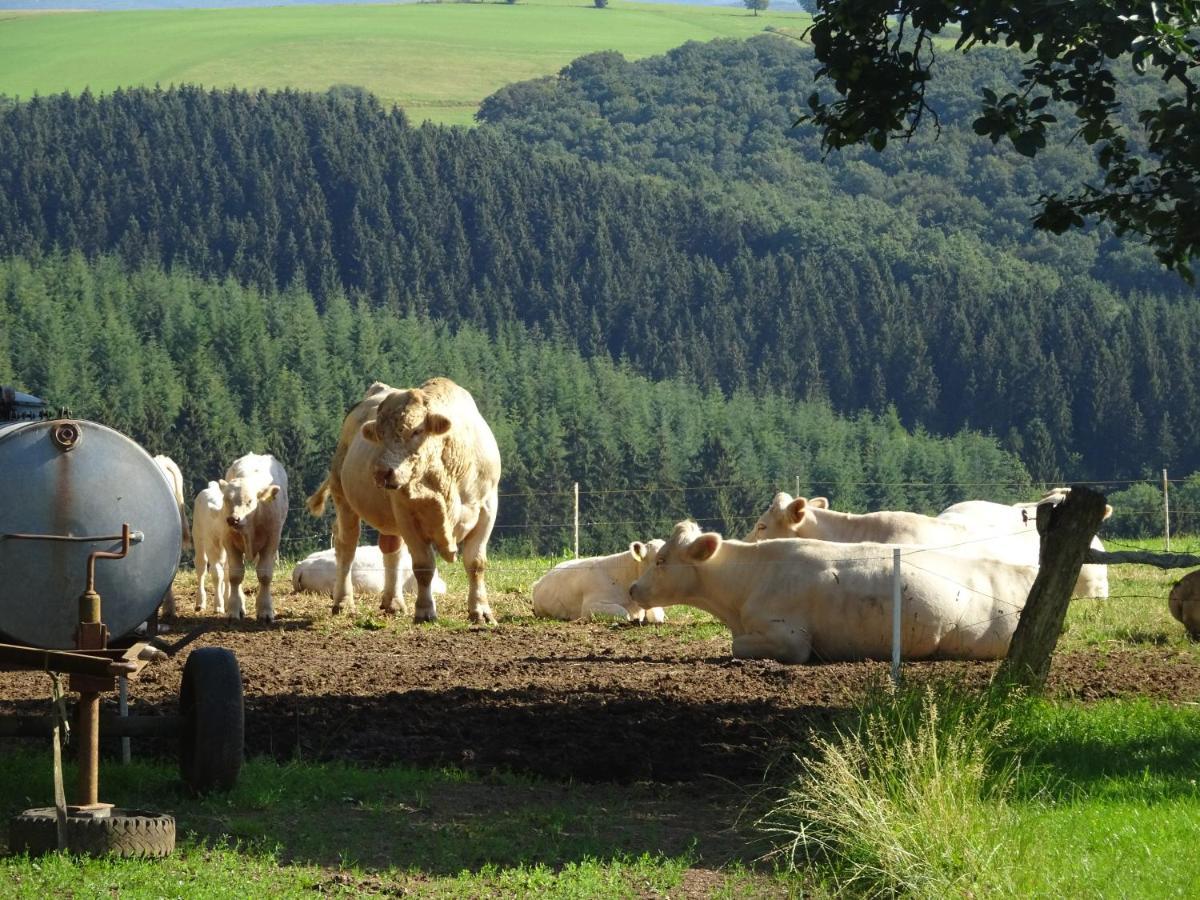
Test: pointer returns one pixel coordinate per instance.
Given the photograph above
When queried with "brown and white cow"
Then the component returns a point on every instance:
(255, 495)
(1184, 603)
(175, 479)
(421, 466)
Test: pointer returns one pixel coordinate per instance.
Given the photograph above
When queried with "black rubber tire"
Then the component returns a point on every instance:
(125, 832)
(212, 730)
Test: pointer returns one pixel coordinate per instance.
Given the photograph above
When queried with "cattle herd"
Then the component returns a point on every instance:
(421, 466)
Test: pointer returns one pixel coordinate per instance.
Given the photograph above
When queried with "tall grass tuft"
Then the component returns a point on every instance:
(910, 800)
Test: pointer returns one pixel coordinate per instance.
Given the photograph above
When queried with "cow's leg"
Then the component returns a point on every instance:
(345, 544)
(794, 647)
(168, 604)
(201, 577)
(264, 604)
(393, 596)
(423, 570)
(603, 606)
(235, 573)
(221, 578)
(655, 616)
(474, 553)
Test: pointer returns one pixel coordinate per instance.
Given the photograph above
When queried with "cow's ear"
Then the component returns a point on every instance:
(370, 431)
(1107, 511)
(819, 503)
(704, 547)
(638, 550)
(266, 495)
(223, 485)
(795, 510)
(436, 423)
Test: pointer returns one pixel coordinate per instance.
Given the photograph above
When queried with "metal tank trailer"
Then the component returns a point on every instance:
(89, 544)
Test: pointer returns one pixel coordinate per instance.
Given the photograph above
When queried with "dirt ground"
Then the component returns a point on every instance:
(587, 702)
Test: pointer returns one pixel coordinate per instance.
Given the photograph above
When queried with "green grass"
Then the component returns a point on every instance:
(290, 830)
(435, 60)
(931, 793)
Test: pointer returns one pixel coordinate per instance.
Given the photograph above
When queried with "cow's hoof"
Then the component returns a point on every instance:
(266, 620)
(482, 617)
(424, 615)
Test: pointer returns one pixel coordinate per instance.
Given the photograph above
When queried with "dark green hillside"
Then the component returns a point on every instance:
(855, 303)
(205, 372)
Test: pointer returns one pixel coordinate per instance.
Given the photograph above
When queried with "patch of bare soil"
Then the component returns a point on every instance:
(565, 701)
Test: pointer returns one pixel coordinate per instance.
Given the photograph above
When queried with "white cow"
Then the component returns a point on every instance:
(208, 535)
(420, 466)
(596, 586)
(800, 600)
(175, 479)
(1005, 537)
(318, 572)
(991, 517)
(255, 493)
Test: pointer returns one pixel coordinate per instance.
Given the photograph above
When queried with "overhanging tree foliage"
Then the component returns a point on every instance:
(880, 55)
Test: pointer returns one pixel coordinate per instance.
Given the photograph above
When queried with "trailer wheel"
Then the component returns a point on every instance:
(212, 725)
(124, 832)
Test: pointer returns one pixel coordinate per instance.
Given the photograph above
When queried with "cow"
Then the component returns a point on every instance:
(596, 586)
(175, 479)
(318, 572)
(797, 600)
(419, 465)
(1184, 603)
(1004, 537)
(255, 503)
(208, 534)
(1004, 518)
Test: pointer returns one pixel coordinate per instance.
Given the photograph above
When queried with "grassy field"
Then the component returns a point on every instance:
(435, 60)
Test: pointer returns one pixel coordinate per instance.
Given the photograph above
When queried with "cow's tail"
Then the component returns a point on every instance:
(316, 503)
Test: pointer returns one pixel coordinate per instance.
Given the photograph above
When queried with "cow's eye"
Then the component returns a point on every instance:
(761, 526)
(659, 561)
(416, 432)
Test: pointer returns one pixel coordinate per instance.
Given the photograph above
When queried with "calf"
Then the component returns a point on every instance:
(798, 600)
(596, 586)
(208, 535)
(255, 496)
(175, 479)
(370, 573)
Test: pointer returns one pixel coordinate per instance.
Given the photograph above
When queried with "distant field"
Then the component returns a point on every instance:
(436, 61)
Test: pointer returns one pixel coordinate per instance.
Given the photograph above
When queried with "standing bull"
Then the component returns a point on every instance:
(420, 466)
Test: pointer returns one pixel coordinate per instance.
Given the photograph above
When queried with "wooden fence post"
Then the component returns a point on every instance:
(1066, 531)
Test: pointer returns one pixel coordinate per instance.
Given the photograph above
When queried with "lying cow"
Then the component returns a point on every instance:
(255, 501)
(1184, 603)
(800, 600)
(175, 479)
(596, 586)
(422, 466)
(1001, 518)
(370, 573)
(1004, 537)
(208, 537)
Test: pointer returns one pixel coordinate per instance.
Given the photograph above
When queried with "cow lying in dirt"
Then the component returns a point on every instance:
(422, 466)
(596, 586)
(974, 528)
(370, 574)
(800, 600)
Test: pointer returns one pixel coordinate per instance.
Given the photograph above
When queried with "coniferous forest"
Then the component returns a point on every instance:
(651, 280)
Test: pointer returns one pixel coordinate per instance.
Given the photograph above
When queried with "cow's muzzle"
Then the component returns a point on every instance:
(233, 522)
(386, 479)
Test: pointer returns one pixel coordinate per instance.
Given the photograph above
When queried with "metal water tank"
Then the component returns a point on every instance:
(63, 480)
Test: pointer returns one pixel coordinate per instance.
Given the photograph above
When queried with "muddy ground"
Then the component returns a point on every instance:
(588, 702)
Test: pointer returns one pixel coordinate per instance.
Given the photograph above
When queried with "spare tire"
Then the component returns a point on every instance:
(124, 832)
(212, 726)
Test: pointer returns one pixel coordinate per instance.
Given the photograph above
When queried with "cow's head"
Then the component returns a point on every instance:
(670, 573)
(786, 518)
(240, 500)
(402, 427)
(644, 555)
